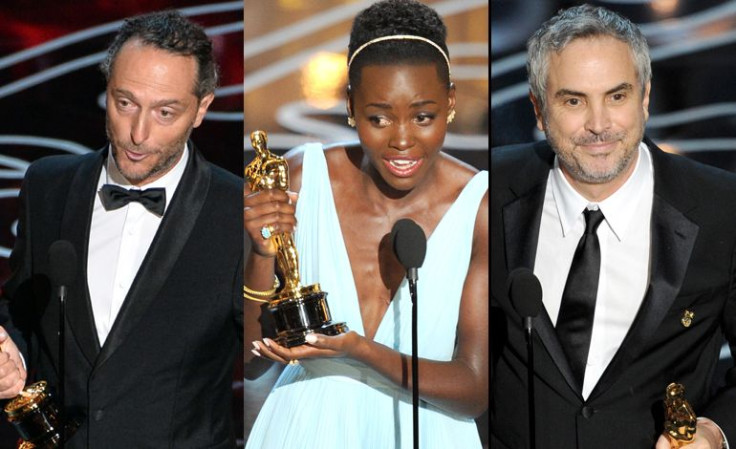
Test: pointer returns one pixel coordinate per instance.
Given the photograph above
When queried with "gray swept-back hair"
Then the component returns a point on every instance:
(578, 22)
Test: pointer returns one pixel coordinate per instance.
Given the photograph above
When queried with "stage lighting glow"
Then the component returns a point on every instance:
(324, 79)
(665, 8)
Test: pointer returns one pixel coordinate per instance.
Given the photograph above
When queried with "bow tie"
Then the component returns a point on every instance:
(115, 197)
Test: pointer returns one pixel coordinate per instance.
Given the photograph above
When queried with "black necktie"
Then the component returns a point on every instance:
(575, 321)
(115, 197)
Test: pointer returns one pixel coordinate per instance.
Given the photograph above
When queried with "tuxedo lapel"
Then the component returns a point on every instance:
(672, 240)
(521, 228)
(522, 215)
(173, 233)
(75, 227)
(521, 221)
(521, 231)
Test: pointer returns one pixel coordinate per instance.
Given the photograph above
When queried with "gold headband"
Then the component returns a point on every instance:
(401, 37)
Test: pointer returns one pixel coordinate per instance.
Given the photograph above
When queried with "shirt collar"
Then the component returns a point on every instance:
(618, 208)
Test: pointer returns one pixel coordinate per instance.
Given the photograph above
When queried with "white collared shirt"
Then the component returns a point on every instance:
(624, 238)
(119, 240)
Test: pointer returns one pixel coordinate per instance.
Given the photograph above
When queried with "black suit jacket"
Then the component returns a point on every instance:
(163, 378)
(693, 243)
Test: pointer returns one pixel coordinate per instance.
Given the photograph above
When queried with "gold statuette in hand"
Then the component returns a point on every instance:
(680, 421)
(269, 171)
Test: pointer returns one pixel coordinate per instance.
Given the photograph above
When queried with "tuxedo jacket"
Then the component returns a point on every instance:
(693, 243)
(163, 378)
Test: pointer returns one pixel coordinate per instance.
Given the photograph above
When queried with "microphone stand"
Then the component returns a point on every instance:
(530, 381)
(412, 275)
(410, 247)
(62, 407)
(525, 293)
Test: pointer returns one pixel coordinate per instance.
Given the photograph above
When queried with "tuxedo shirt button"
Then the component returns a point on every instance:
(587, 412)
(98, 415)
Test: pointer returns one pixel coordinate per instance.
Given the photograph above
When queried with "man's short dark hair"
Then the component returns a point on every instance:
(172, 32)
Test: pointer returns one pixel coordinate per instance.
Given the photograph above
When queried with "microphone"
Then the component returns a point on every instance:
(62, 264)
(525, 293)
(410, 246)
(62, 271)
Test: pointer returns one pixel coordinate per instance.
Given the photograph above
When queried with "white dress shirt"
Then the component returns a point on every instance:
(118, 242)
(624, 239)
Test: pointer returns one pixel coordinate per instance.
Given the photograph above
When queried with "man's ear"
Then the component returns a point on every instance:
(645, 100)
(537, 111)
(204, 103)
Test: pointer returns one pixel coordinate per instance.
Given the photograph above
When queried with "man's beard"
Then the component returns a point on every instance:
(172, 153)
(578, 170)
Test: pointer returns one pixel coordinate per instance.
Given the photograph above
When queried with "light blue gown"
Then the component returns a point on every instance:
(341, 403)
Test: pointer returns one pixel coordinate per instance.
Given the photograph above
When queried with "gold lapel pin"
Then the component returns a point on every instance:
(687, 318)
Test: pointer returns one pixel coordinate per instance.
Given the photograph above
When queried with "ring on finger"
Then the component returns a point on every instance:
(294, 362)
(267, 232)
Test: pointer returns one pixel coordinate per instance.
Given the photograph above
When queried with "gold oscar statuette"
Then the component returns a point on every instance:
(297, 310)
(35, 415)
(680, 421)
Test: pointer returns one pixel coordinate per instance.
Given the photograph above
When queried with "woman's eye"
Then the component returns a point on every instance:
(379, 121)
(425, 119)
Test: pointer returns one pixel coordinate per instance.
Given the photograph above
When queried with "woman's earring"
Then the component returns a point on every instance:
(451, 116)
(351, 121)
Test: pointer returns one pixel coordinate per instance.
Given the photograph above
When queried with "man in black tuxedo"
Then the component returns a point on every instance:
(155, 313)
(658, 230)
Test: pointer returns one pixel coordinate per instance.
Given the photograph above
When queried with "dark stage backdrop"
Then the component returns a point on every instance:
(52, 97)
(693, 98)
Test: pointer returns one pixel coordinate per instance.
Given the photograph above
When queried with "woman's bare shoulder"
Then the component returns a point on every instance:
(454, 174)
(457, 167)
(338, 158)
(339, 154)
(343, 162)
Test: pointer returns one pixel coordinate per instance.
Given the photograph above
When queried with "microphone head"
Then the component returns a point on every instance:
(62, 263)
(409, 243)
(525, 292)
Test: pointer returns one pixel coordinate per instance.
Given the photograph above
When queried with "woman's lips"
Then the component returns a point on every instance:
(403, 167)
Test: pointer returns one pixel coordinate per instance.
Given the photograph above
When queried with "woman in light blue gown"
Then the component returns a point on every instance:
(354, 390)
